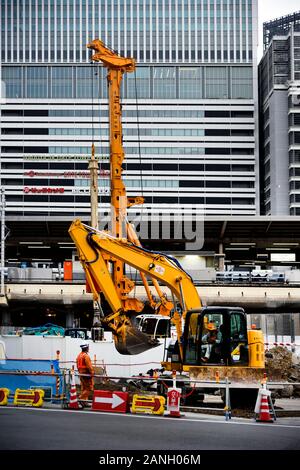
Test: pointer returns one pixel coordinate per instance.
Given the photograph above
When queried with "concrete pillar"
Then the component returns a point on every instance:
(69, 318)
(263, 323)
(6, 318)
(297, 324)
(221, 257)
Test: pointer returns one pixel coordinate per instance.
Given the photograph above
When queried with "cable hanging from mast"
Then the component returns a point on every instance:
(93, 128)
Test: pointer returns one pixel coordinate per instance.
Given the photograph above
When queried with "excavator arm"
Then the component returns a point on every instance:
(93, 246)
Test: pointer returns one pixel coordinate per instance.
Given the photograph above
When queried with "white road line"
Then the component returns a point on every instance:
(190, 420)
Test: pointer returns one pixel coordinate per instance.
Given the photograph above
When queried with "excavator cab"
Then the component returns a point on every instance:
(216, 335)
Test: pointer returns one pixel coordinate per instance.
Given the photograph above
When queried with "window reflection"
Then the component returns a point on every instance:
(210, 82)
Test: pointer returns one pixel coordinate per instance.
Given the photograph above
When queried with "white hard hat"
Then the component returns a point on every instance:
(84, 346)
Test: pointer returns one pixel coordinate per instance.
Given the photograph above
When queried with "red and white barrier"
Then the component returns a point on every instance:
(73, 402)
(173, 399)
(282, 344)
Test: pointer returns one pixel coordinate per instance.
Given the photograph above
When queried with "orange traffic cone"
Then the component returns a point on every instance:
(73, 403)
(264, 414)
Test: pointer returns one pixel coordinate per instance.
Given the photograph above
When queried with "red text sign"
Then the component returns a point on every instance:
(173, 401)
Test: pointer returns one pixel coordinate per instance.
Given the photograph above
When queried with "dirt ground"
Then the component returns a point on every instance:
(283, 366)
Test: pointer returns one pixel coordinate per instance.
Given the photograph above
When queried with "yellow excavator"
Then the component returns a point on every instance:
(96, 249)
(235, 352)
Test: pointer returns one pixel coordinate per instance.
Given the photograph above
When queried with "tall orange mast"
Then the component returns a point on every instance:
(117, 66)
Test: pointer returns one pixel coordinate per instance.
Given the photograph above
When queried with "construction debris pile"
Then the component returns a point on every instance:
(283, 366)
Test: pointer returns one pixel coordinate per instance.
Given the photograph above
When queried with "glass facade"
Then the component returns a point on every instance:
(189, 113)
(151, 30)
(149, 82)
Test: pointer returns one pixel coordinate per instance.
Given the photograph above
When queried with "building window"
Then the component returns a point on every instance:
(164, 82)
(87, 82)
(13, 79)
(37, 82)
(190, 83)
(241, 83)
(216, 83)
(62, 82)
(138, 83)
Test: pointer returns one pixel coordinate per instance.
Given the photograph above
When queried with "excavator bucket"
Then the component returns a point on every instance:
(130, 340)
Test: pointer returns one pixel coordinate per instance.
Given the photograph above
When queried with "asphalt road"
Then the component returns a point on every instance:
(56, 429)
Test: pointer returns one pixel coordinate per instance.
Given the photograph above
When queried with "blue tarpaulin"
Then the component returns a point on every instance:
(22, 381)
(49, 329)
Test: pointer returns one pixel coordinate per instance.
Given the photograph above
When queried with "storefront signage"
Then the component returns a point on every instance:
(87, 190)
(62, 157)
(42, 190)
(65, 174)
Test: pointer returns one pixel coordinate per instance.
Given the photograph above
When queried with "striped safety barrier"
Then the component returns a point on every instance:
(4, 394)
(282, 344)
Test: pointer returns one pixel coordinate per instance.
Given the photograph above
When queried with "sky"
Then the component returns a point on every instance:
(271, 9)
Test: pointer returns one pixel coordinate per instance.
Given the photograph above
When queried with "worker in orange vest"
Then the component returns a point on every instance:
(84, 366)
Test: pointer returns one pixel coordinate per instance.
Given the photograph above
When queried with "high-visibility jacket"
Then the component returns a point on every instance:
(84, 363)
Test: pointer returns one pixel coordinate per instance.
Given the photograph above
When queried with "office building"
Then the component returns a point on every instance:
(189, 134)
(279, 84)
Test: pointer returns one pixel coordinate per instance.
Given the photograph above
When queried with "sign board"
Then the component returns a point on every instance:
(4, 394)
(149, 404)
(283, 257)
(47, 392)
(173, 403)
(115, 402)
(29, 397)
